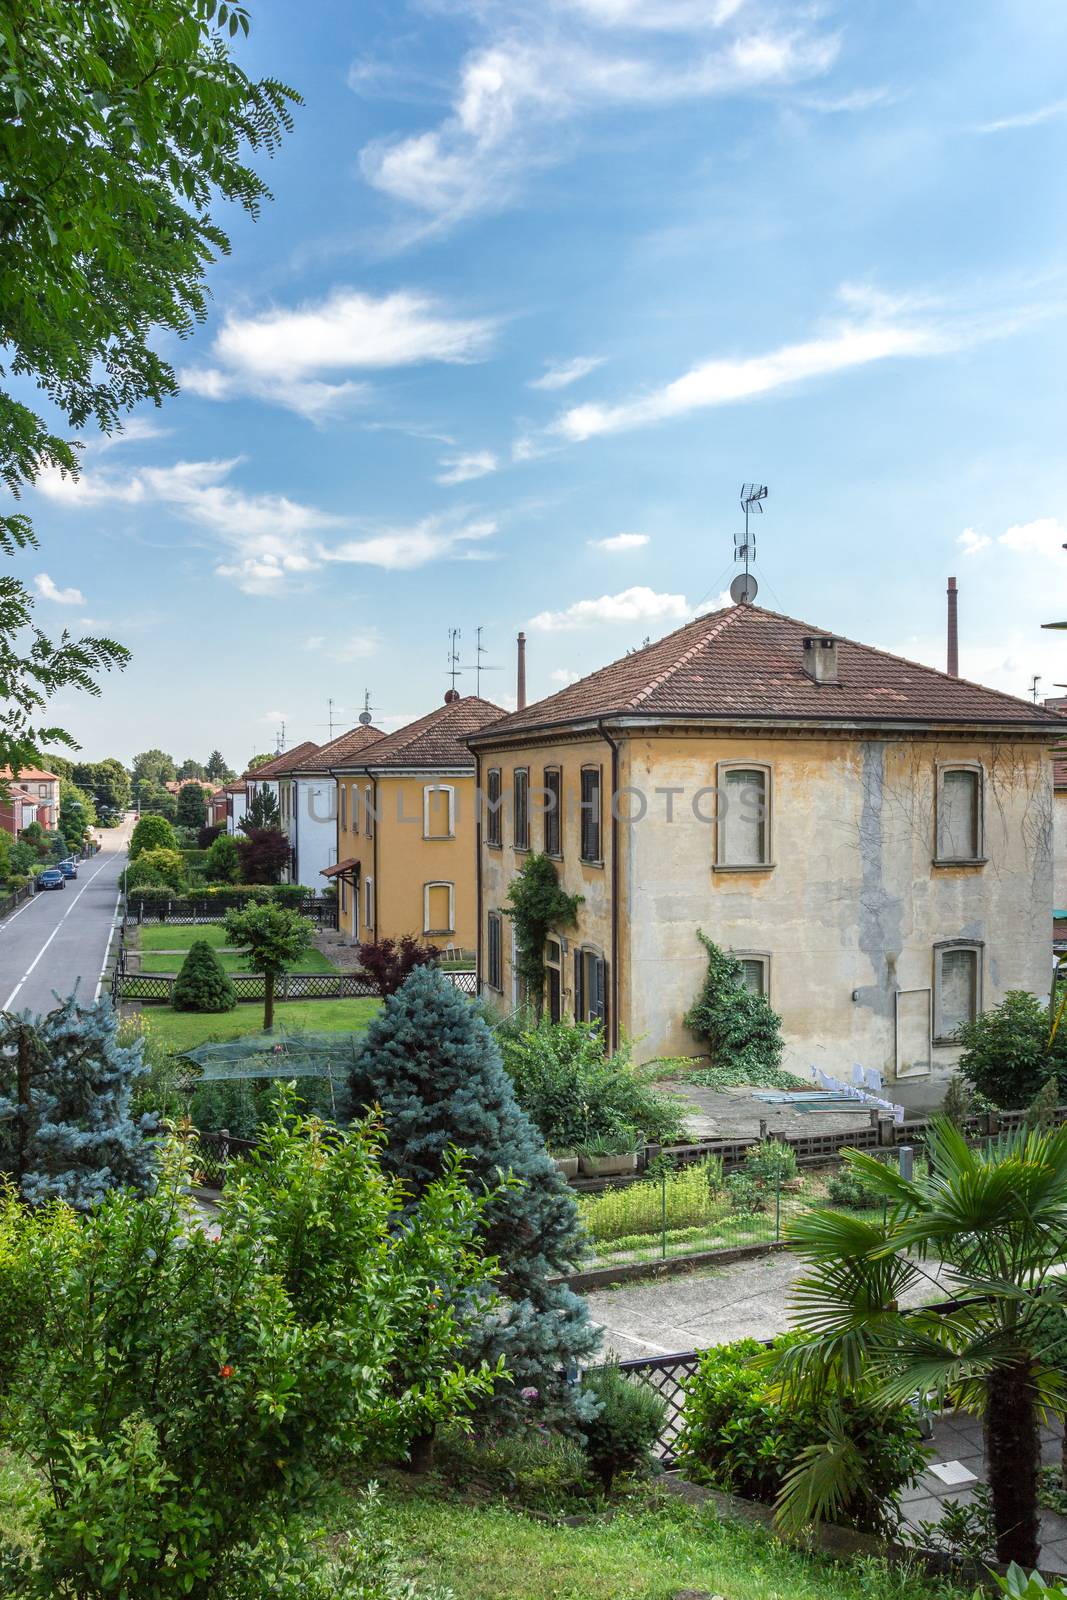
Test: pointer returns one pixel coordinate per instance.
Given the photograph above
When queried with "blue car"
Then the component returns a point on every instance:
(51, 878)
(69, 868)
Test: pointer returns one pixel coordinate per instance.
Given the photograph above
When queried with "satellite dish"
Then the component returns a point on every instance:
(365, 719)
(744, 589)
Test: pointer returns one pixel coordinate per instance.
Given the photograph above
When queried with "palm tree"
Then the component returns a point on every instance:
(995, 1220)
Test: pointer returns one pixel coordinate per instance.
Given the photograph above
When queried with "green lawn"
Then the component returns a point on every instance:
(181, 1029)
(229, 960)
(649, 1553)
(164, 936)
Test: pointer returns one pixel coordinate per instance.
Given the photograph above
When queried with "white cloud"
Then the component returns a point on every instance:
(462, 468)
(639, 604)
(275, 716)
(563, 675)
(619, 542)
(48, 590)
(560, 374)
(314, 641)
(1044, 537)
(541, 71)
(829, 105)
(134, 431)
(401, 549)
(971, 542)
(1027, 119)
(717, 602)
(286, 355)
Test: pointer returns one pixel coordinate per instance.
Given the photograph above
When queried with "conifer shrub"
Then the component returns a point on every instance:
(202, 985)
(628, 1421)
(432, 1065)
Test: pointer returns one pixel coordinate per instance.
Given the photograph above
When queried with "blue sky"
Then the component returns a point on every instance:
(541, 285)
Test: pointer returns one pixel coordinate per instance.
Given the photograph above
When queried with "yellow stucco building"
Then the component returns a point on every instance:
(406, 821)
(871, 838)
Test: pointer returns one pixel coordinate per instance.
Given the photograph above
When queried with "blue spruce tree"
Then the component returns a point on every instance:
(65, 1105)
(432, 1065)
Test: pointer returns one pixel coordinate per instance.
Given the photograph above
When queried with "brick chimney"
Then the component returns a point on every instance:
(953, 667)
(520, 679)
(820, 658)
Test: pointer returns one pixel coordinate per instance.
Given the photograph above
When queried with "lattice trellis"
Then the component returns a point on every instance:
(667, 1377)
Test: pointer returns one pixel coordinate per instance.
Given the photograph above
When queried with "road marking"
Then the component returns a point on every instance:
(9, 1002)
(107, 950)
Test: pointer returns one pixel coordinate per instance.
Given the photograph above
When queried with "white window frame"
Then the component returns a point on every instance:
(342, 810)
(368, 904)
(368, 811)
(764, 959)
(721, 770)
(429, 789)
(494, 919)
(977, 771)
(976, 948)
(439, 883)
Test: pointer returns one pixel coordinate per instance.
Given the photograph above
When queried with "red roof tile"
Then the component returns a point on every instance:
(341, 749)
(436, 740)
(283, 763)
(748, 662)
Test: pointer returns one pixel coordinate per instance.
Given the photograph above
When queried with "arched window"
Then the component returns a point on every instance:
(743, 823)
(438, 908)
(438, 811)
(959, 813)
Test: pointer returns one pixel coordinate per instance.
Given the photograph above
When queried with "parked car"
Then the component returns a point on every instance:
(51, 878)
(69, 868)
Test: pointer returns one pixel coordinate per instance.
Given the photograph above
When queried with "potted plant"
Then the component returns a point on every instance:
(566, 1161)
(610, 1154)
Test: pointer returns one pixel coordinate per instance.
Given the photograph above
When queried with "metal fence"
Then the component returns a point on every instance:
(211, 1154)
(186, 912)
(156, 988)
(667, 1377)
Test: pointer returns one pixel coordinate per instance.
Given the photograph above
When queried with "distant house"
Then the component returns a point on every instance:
(307, 798)
(265, 780)
(406, 830)
(871, 838)
(33, 796)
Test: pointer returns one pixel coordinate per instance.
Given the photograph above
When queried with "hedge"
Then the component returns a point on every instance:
(225, 895)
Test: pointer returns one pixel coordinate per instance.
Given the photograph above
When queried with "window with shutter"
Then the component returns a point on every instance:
(957, 986)
(743, 826)
(959, 814)
(553, 804)
(494, 976)
(493, 829)
(521, 808)
(591, 814)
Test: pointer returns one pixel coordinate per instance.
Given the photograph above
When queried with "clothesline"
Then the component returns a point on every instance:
(854, 1091)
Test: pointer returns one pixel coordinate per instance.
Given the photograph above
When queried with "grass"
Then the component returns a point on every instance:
(229, 961)
(165, 936)
(649, 1551)
(179, 1030)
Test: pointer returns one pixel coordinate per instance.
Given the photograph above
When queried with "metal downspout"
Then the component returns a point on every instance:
(613, 1025)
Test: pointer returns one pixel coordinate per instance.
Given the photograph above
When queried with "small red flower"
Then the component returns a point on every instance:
(225, 1371)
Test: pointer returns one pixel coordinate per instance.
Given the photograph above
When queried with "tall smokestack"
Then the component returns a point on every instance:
(953, 632)
(520, 683)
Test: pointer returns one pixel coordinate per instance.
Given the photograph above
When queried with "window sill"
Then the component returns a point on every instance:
(960, 861)
(492, 844)
(438, 933)
(946, 1044)
(521, 849)
(586, 862)
(438, 838)
(554, 855)
(763, 866)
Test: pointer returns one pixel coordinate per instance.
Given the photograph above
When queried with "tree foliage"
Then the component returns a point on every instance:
(202, 985)
(191, 768)
(742, 1030)
(65, 1088)
(152, 833)
(153, 768)
(1006, 1051)
(217, 768)
(77, 812)
(432, 1065)
(223, 861)
(271, 939)
(537, 905)
(265, 854)
(387, 962)
(255, 762)
(261, 812)
(192, 807)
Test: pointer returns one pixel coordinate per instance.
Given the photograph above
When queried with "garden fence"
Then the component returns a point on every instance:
(9, 902)
(184, 911)
(667, 1377)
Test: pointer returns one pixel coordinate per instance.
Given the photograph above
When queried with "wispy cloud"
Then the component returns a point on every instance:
(541, 71)
(1027, 119)
(401, 549)
(617, 543)
(563, 675)
(560, 374)
(135, 430)
(355, 647)
(631, 605)
(48, 590)
(856, 100)
(1044, 536)
(970, 542)
(462, 468)
(290, 356)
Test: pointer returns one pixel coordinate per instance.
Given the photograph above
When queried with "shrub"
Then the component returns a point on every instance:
(202, 985)
(846, 1188)
(265, 854)
(157, 868)
(745, 1195)
(686, 1197)
(207, 835)
(739, 1435)
(222, 863)
(742, 1031)
(770, 1163)
(387, 962)
(192, 807)
(152, 833)
(182, 1396)
(220, 897)
(1006, 1056)
(628, 1421)
(573, 1094)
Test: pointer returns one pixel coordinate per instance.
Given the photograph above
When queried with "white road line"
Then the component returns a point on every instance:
(107, 948)
(9, 1002)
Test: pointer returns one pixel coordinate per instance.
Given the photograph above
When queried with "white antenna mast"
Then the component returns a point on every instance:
(365, 717)
(744, 588)
(478, 664)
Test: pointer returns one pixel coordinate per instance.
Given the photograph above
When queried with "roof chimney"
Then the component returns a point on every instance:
(820, 659)
(953, 632)
(520, 682)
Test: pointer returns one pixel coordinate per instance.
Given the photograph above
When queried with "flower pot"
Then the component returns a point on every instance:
(609, 1166)
(568, 1165)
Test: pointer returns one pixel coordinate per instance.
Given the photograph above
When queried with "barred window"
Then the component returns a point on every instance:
(959, 814)
(744, 817)
(494, 975)
(493, 830)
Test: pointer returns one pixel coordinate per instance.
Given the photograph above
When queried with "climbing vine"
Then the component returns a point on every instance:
(536, 905)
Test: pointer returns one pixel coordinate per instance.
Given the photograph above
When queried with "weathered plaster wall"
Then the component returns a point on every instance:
(853, 906)
(1059, 850)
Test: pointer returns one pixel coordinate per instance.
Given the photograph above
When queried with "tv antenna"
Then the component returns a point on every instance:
(332, 721)
(454, 668)
(365, 717)
(1034, 681)
(281, 738)
(479, 666)
(744, 588)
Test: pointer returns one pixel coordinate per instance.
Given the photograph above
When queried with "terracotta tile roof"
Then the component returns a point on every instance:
(748, 662)
(33, 774)
(436, 740)
(341, 749)
(283, 763)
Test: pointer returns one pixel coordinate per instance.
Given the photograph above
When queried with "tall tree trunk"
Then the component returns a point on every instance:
(268, 1000)
(1013, 1459)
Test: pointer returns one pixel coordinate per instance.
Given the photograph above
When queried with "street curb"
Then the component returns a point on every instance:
(636, 1271)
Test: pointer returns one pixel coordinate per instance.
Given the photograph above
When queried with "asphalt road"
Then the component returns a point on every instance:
(60, 938)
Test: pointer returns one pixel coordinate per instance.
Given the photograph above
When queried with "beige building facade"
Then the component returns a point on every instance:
(872, 840)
